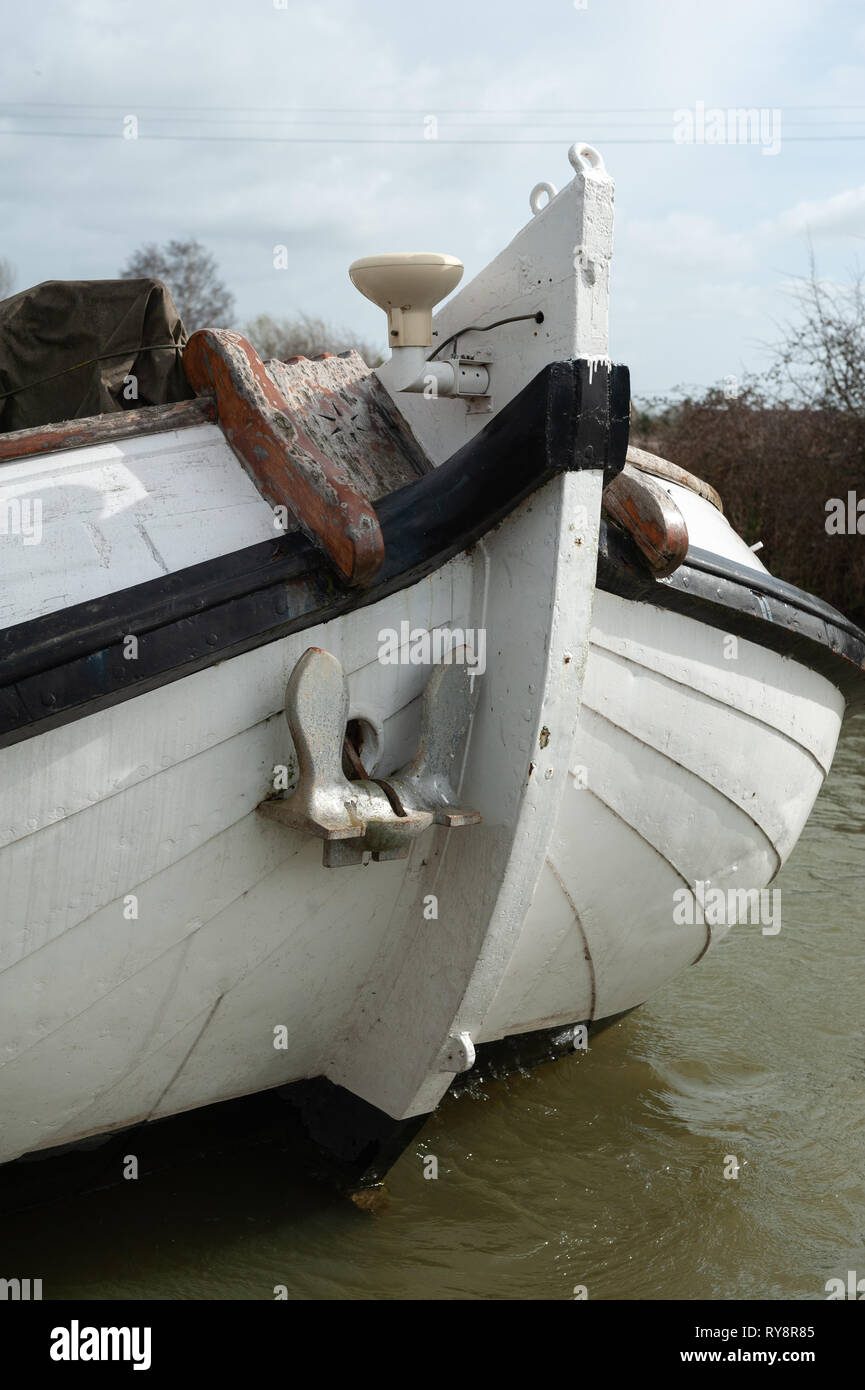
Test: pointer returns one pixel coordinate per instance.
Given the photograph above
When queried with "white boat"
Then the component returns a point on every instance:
(543, 750)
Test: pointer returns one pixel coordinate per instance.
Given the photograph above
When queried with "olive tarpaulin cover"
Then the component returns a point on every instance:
(72, 348)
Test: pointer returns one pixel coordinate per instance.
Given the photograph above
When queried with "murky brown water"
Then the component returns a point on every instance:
(604, 1171)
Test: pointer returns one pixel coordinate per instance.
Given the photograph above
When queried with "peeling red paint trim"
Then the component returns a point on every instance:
(105, 429)
(651, 517)
(272, 444)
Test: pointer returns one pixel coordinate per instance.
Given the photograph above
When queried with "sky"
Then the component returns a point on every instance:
(264, 123)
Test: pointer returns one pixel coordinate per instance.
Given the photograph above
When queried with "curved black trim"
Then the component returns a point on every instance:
(746, 603)
(71, 663)
(776, 589)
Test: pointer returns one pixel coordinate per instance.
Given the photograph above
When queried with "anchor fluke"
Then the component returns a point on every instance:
(363, 816)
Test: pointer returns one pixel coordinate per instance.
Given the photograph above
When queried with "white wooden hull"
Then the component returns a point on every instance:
(157, 931)
(690, 768)
(686, 766)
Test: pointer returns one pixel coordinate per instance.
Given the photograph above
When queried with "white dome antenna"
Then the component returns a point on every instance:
(407, 285)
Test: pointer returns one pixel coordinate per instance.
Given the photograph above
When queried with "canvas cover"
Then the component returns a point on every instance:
(68, 349)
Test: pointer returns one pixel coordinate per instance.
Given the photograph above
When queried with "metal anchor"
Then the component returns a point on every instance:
(370, 815)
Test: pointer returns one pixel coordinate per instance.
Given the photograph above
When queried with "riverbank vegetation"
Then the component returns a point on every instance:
(786, 450)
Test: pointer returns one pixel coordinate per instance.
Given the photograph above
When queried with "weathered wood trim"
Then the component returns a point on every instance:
(352, 419)
(270, 441)
(107, 429)
(651, 518)
(672, 473)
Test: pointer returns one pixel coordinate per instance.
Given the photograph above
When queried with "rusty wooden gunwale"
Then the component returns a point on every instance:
(650, 516)
(107, 429)
(281, 458)
(660, 467)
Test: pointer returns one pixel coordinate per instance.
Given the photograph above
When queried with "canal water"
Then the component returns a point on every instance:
(611, 1172)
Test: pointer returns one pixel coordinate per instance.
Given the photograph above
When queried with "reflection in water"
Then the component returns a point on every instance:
(605, 1171)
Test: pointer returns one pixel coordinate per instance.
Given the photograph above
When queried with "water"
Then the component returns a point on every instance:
(605, 1171)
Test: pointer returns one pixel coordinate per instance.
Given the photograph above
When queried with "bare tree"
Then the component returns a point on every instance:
(7, 278)
(303, 336)
(820, 364)
(192, 276)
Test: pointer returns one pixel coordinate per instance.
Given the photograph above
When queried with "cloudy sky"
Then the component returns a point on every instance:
(268, 122)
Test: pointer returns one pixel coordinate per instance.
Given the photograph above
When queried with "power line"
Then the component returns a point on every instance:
(355, 140)
(407, 125)
(424, 110)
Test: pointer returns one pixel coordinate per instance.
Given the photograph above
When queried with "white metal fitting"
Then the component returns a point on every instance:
(453, 376)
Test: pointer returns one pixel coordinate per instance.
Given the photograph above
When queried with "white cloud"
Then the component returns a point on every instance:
(839, 215)
(681, 243)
